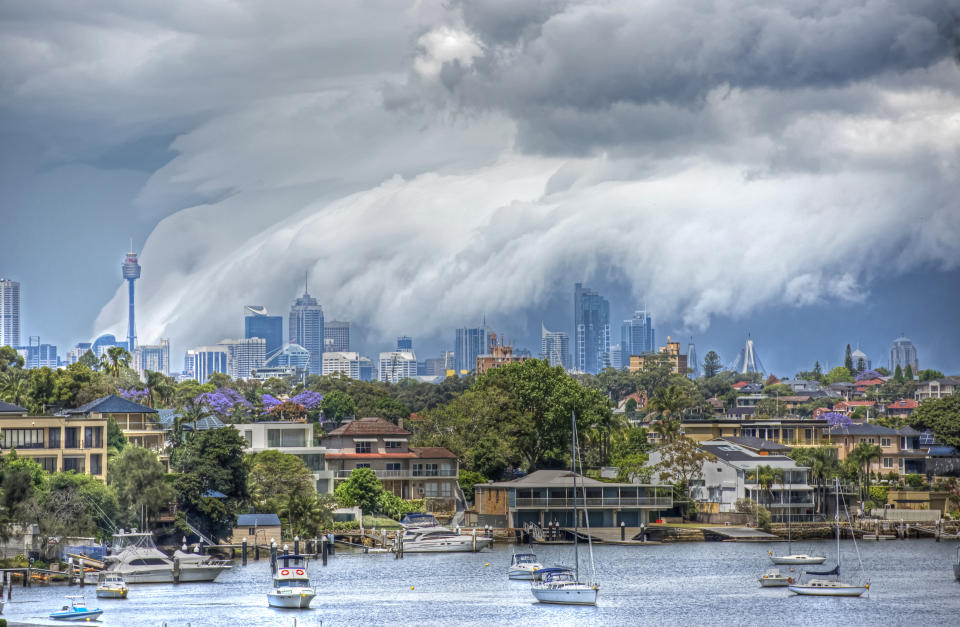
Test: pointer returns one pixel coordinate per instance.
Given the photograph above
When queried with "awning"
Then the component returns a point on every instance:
(364, 439)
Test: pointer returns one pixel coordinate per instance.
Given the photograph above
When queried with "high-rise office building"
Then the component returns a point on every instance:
(692, 364)
(344, 362)
(245, 356)
(155, 357)
(616, 356)
(336, 336)
(258, 323)
(78, 351)
(397, 365)
(203, 361)
(105, 342)
(592, 327)
(37, 355)
(306, 329)
(367, 369)
(637, 336)
(292, 355)
(404, 343)
(469, 344)
(903, 353)
(9, 312)
(131, 272)
(555, 347)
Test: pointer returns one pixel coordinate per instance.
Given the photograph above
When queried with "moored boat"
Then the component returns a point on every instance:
(291, 584)
(76, 611)
(135, 556)
(773, 578)
(422, 533)
(524, 566)
(111, 586)
(796, 560)
(192, 567)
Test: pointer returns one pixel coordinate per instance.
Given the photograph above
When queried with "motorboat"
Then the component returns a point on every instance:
(796, 559)
(135, 557)
(831, 587)
(77, 610)
(422, 533)
(291, 584)
(563, 588)
(191, 567)
(773, 578)
(523, 566)
(111, 586)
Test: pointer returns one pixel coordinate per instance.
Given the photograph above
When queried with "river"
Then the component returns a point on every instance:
(912, 583)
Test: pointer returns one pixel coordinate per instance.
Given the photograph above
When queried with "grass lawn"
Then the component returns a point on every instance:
(380, 522)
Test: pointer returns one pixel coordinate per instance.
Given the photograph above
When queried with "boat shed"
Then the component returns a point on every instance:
(256, 528)
(546, 496)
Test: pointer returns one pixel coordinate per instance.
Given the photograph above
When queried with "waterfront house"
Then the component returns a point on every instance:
(731, 474)
(790, 431)
(902, 408)
(937, 388)
(57, 443)
(546, 496)
(409, 472)
(137, 422)
(294, 437)
(256, 528)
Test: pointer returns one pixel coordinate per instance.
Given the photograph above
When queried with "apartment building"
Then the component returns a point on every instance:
(294, 438)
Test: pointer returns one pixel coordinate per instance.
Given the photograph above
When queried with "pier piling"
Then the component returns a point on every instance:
(273, 556)
(296, 545)
(243, 551)
(323, 550)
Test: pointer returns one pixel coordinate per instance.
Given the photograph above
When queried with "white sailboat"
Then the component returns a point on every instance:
(832, 587)
(565, 587)
(793, 559)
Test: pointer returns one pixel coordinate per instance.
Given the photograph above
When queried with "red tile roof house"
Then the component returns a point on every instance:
(409, 472)
(903, 407)
(848, 407)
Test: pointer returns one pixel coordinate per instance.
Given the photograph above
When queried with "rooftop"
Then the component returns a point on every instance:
(757, 444)
(369, 426)
(112, 404)
(744, 458)
(861, 429)
(552, 479)
(258, 520)
(10, 408)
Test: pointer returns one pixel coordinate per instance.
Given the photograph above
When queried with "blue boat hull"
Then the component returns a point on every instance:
(75, 615)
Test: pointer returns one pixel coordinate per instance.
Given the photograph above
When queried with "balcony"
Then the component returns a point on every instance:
(659, 502)
(402, 474)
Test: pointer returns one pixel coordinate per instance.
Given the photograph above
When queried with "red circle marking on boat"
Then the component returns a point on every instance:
(299, 571)
(284, 572)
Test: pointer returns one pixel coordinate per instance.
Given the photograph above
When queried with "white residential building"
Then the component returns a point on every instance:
(397, 365)
(344, 362)
(293, 438)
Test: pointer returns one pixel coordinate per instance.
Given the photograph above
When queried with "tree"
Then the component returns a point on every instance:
(10, 358)
(115, 360)
(116, 441)
(337, 406)
(274, 478)
(908, 373)
(467, 480)
(898, 374)
(670, 403)
(212, 461)
(862, 454)
(840, 374)
(681, 462)
(392, 410)
(656, 373)
(361, 490)
(861, 365)
(942, 417)
(89, 360)
(848, 361)
(817, 372)
(137, 476)
(823, 464)
(765, 477)
(160, 388)
(929, 375)
(288, 410)
(711, 365)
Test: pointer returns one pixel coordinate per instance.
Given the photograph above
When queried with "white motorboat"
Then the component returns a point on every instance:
(191, 567)
(111, 586)
(796, 559)
(561, 586)
(524, 566)
(832, 587)
(135, 557)
(422, 533)
(773, 578)
(291, 584)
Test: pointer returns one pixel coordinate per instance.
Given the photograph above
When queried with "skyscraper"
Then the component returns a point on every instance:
(203, 361)
(9, 312)
(404, 343)
(903, 353)
(555, 347)
(637, 336)
(336, 336)
(306, 329)
(397, 365)
(258, 323)
(131, 272)
(592, 328)
(692, 362)
(344, 362)
(152, 357)
(245, 356)
(468, 344)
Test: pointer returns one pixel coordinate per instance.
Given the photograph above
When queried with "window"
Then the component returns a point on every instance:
(445, 489)
(96, 467)
(888, 462)
(73, 463)
(426, 470)
(393, 466)
(885, 442)
(808, 434)
(53, 437)
(23, 438)
(71, 437)
(49, 464)
(362, 447)
(251, 531)
(788, 434)
(248, 436)
(394, 445)
(363, 465)
(313, 461)
(286, 437)
(93, 437)
(430, 489)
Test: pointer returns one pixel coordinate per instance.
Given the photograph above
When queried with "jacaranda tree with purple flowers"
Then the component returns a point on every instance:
(133, 394)
(226, 403)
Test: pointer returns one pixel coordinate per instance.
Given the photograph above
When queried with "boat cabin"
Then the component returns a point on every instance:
(523, 558)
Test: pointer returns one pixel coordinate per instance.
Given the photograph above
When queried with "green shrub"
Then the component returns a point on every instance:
(878, 494)
(346, 525)
(917, 482)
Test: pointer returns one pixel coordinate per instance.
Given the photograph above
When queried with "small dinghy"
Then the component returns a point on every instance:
(77, 610)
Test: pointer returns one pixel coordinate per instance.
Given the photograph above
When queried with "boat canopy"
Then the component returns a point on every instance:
(524, 558)
(835, 571)
(419, 520)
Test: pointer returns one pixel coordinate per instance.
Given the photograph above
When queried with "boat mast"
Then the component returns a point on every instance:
(836, 517)
(576, 512)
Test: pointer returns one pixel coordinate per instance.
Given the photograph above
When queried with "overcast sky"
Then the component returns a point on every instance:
(784, 169)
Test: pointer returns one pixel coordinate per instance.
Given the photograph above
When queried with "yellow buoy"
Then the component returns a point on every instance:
(487, 564)
(411, 587)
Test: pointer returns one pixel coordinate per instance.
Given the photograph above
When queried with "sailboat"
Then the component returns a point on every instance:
(793, 559)
(564, 587)
(831, 587)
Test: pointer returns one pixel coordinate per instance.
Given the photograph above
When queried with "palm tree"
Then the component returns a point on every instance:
(115, 360)
(766, 476)
(863, 453)
(159, 387)
(670, 402)
(15, 386)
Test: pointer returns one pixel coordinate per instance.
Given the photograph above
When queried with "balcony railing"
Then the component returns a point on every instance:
(401, 474)
(664, 502)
